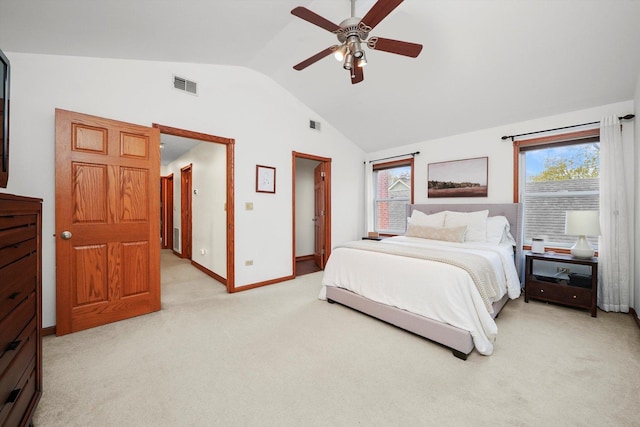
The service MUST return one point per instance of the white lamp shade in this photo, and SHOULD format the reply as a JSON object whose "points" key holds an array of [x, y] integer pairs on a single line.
{"points": [[582, 223]]}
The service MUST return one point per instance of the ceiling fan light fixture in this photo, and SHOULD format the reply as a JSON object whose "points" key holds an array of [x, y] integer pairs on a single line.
{"points": [[362, 61], [354, 46], [348, 61], [340, 52]]}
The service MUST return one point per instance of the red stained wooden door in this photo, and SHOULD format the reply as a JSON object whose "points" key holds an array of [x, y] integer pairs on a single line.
{"points": [[107, 198], [319, 214]]}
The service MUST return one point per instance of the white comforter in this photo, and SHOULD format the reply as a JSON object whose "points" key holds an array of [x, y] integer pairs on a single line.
{"points": [[431, 289]]}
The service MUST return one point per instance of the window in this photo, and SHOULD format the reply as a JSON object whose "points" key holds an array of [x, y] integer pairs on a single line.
{"points": [[393, 191], [557, 174]]}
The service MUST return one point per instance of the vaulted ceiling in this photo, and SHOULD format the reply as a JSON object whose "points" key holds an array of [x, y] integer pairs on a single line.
{"points": [[484, 63]]}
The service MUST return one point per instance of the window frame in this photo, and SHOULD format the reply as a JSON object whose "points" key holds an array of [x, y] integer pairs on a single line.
{"points": [[376, 167], [558, 140]]}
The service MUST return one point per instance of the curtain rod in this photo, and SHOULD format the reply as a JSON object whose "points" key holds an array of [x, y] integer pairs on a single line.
{"points": [[394, 157], [627, 117]]}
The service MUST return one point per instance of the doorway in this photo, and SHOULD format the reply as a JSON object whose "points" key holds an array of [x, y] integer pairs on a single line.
{"points": [[207, 186], [311, 212]]}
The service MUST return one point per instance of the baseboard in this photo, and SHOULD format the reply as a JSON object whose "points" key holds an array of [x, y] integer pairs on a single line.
{"points": [[209, 273], [634, 314], [265, 283], [304, 258], [49, 330]]}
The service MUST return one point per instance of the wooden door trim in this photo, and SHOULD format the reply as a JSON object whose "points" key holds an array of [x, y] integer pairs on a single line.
{"points": [[230, 144], [327, 205]]}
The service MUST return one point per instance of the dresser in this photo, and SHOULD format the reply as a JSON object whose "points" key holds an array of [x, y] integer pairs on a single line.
{"points": [[20, 308]]}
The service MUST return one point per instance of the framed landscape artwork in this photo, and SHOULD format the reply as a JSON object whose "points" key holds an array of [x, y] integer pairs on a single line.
{"points": [[458, 178]]}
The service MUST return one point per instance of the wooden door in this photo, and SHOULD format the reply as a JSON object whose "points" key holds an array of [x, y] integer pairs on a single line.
{"points": [[166, 211], [319, 215], [107, 222], [185, 197]]}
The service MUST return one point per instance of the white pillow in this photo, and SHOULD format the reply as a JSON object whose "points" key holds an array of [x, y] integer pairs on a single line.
{"points": [[476, 223], [422, 219], [508, 238], [496, 228]]}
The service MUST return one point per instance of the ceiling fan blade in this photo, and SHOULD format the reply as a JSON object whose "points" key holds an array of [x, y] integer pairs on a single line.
{"points": [[379, 11], [314, 18], [395, 46], [356, 75], [315, 58]]}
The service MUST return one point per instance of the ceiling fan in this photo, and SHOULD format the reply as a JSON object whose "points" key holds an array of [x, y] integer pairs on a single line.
{"points": [[352, 33]]}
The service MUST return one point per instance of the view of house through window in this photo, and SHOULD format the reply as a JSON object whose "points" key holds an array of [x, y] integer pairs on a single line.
{"points": [[392, 184], [558, 178]]}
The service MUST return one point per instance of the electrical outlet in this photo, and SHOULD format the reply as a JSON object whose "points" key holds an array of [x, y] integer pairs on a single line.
{"points": [[248, 262], [564, 270]]}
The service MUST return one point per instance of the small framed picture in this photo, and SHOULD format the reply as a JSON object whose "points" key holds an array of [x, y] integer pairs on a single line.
{"points": [[265, 179]]}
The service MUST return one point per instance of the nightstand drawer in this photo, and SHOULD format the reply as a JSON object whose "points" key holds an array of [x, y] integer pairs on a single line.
{"points": [[563, 294]]}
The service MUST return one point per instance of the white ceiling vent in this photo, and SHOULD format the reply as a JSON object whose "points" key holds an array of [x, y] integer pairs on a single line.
{"points": [[185, 85]]}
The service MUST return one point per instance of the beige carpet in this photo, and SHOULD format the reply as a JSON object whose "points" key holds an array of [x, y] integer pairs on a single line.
{"points": [[278, 356]]}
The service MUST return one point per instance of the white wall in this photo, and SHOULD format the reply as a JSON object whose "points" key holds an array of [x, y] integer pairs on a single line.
{"points": [[267, 123], [305, 204], [488, 142]]}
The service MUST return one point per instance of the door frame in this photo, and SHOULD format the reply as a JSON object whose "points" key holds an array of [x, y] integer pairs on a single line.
{"points": [[327, 204], [230, 207]]}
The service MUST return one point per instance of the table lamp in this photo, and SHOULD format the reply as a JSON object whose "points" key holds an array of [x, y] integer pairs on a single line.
{"points": [[582, 224]]}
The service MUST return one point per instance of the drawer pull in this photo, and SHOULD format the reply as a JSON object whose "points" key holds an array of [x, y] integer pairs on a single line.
{"points": [[574, 297], [14, 295], [13, 345], [13, 396], [542, 291]]}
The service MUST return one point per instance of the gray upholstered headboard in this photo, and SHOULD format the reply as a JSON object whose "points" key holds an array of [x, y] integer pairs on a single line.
{"points": [[512, 211]]}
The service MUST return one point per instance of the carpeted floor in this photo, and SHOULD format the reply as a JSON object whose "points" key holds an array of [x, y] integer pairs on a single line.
{"points": [[278, 356]]}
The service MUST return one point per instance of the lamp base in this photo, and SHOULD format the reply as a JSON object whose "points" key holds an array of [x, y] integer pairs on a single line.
{"points": [[582, 248]]}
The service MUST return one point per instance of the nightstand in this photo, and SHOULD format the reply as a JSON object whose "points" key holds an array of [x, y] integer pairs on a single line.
{"points": [[574, 289]]}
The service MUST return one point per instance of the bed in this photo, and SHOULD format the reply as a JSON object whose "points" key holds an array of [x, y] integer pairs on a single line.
{"points": [[446, 289]]}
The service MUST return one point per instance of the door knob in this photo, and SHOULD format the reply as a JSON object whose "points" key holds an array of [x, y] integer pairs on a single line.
{"points": [[66, 235]]}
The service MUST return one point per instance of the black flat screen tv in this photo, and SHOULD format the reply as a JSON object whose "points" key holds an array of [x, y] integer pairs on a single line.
{"points": [[5, 69]]}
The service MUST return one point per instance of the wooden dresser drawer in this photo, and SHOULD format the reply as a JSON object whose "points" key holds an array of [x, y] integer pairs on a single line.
{"points": [[11, 253], [13, 412], [19, 279], [17, 228], [10, 380], [7, 354], [14, 323]]}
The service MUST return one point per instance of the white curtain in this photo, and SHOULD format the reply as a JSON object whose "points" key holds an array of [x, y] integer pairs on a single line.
{"points": [[368, 197], [614, 246]]}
